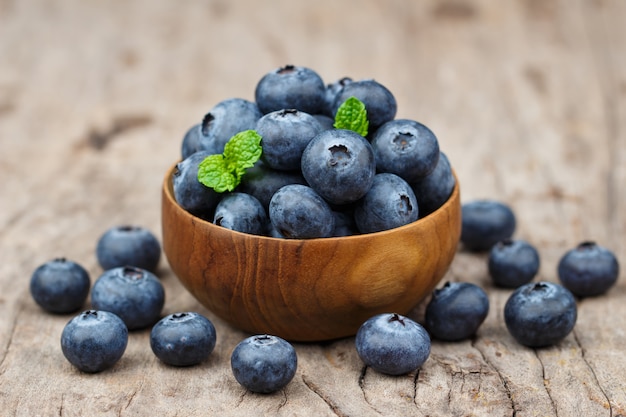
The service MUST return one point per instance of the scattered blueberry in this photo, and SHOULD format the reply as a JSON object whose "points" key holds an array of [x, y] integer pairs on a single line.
{"points": [[588, 270], [540, 314], [339, 165], [434, 189], [285, 133], [291, 87], [264, 363], [190, 193], [406, 148], [512, 263], [456, 311], [134, 294], [94, 340], [485, 223], [183, 339], [128, 245], [380, 104], [392, 344], [298, 212], [389, 203], [241, 212], [60, 286]]}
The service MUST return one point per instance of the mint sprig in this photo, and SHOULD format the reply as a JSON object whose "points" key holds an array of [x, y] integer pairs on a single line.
{"points": [[223, 172], [352, 115]]}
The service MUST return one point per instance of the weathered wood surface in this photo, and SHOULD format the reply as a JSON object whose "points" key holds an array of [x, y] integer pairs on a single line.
{"points": [[526, 97]]}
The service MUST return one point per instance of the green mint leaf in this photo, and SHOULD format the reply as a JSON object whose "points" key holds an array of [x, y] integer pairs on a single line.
{"points": [[224, 172], [352, 115]]}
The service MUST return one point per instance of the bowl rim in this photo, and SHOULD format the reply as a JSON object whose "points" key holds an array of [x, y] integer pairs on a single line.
{"points": [[168, 189]]}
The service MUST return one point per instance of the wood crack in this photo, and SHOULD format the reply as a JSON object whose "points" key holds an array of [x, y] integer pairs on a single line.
{"points": [[505, 384], [331, 404], [593, 372], [546, 383], [362, 386]]}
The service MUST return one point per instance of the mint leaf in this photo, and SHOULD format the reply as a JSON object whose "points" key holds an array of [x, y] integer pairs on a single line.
{"points": [[352, 115], [224, 172]]}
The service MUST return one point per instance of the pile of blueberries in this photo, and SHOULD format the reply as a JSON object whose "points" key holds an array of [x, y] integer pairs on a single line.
{"points": [[314, 180]]}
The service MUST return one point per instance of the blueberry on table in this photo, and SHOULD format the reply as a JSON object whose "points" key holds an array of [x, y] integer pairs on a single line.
{"points": [[291, 87], [183, 339], [133, 294], [128, 245], [264, 363], [513, 262], [60, 286], [94, 340], [241, 212], [540, 314], [389, 203], [189, 193], [406, 148], [379, 102], [588, 270], [456, 311], [433, 190], [339, 165], [298, 212], [485, 223], [392, 344]]}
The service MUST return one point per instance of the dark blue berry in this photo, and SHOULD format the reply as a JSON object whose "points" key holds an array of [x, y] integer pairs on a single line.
{"points": [[183, 339], [94, 340], [389, 203], [540, 314], [513, 263], [60, 286], [298, 212], [241, 212], [193, 142], [291, 87], [332, 90], [326, 122], [264, 363], [456, 311], [225, 120], [380, 104], [128, 245], [339, 165], [406, 148], [588, 270], [262, 182], [485, 223], [392, 344], [285, 134], [190, 193], [434, 189], [134, 294]]}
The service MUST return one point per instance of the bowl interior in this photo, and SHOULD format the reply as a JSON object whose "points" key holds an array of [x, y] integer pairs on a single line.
{"points": [[308, 290]]}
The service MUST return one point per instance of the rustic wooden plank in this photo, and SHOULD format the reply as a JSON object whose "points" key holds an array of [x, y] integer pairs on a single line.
{"points": [[527, 98]]}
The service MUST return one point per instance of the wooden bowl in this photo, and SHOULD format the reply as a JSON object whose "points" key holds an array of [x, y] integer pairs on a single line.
{"points": [[308, 290]]}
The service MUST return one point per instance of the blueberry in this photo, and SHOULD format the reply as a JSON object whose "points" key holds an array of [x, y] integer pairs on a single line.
{"points": [[298, 212], [94, 340], [193, 142], [290, 87], [406, 148], [456, 311], [60, 286], [540, 314], [344, 223], [389, 203], [485, 223], [134, 294], [128, 245], [392, 344], [264, 363], [190, 193], [241, 212], [262, 182], [339, 165], [226, 119], [183, 339], [380, 104], [434, 189], [330, 95], [326, 122], [588, 270], [285, 134], [513, 263]]}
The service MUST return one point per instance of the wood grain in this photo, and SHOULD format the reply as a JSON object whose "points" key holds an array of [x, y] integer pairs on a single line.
{"points": [[527, 100]]}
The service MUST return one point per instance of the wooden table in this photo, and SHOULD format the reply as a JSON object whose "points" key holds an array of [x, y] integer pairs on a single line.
{"points": [[527, 99]]}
